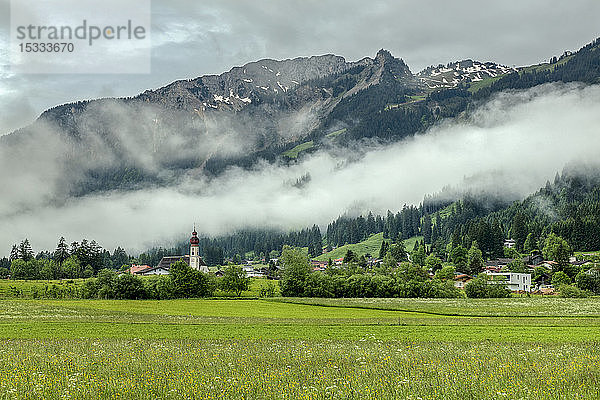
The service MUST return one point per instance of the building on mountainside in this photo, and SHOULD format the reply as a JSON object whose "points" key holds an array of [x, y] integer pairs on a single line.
{"points": [[533, 259], [193, 259], [510, 243], [516, 282]]}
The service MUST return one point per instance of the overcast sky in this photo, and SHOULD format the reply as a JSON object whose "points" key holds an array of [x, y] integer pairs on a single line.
{"points": [[192, 38]]}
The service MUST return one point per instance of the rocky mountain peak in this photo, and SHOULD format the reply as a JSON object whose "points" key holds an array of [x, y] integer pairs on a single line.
{"points": [[384, 56]]}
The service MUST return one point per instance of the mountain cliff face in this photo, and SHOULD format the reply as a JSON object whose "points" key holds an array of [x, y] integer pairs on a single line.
{"points": [[211, 122], [252, 83], [264, 110]]}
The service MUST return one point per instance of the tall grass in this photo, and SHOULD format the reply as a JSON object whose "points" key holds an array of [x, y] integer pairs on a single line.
{"points": [[167, 369]]}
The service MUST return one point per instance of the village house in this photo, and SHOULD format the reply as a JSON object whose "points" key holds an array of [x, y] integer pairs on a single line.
{"points": [[319, 264], [533, 259], [551, 265], [516, 282], [510, 243], [154, 271], [461, 280], [251, 272], [497, 264], [135, 269], [580, 263]]}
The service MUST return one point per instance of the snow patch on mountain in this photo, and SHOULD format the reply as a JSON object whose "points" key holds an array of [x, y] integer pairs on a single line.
{"points": [[465, 71]]}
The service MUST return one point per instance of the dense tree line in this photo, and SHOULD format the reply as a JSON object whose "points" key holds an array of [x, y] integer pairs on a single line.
{"points": [[569, 207], [352, 280], [182, 282], [263, 242], [77, 260], [404, 224]]}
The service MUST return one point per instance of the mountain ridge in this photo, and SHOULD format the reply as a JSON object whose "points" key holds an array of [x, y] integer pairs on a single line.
{"points": [[266, 107]]}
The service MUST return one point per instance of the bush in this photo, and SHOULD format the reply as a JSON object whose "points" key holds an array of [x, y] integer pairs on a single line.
{"points": [[234, 280], [572, 292], [129, 287], [479, 288], [589, 281], [90, 289], [296, 270], [476, 288], [188, 282], [159, 287], [560, 278], [319, 285], [268, 290], [106, 284], [438, 289]]}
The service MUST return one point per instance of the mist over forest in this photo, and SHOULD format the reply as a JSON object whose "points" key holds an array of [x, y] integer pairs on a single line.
{"points": [[510, 145]]}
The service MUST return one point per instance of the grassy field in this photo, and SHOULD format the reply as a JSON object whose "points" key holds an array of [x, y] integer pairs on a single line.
{"points": [[183, 369], [529, 348], [478, 85], [545, 66], [336, 133], [71, 288], [371, 246], [293, 153], [40, 288], [539, 306]]}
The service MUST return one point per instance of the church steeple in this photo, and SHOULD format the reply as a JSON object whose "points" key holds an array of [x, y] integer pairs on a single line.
{"points": [[195, 250], [195, 260], [194, 239]]}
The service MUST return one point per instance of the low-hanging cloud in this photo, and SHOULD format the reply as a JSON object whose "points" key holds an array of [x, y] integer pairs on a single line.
{"points": [[510, 145]]}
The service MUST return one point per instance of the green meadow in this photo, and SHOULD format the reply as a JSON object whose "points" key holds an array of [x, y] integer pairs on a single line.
{"points": [[370, 245], [280, 348]]}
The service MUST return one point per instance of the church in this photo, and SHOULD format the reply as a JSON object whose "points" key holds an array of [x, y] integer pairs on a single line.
{"points": [[193, 259]]}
